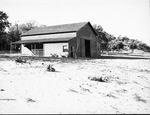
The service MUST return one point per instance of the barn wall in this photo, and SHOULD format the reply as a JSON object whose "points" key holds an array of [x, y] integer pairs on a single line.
{"points": [[73, 44], [61, 35], [86, 32], [98, 49], [55, 48]]}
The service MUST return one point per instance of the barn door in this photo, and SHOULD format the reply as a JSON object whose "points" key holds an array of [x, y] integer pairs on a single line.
{"points": [[72, 52], [87, 48]]}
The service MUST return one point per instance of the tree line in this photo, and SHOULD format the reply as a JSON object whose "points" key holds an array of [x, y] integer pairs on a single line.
{"points": [[111, 43], [108, 41]]}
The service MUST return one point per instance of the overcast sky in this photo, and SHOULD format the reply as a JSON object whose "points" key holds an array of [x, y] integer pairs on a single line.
{"points": [[129, 18]]}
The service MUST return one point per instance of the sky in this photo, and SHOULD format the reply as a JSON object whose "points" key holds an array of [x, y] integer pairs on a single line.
{"points": [[129, 18]]}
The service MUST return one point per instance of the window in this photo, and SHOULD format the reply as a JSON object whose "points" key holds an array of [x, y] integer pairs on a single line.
{"points": [[65, 48]]}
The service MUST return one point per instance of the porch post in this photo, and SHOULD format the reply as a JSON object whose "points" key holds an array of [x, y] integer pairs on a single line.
{"points": [[10, 48]]}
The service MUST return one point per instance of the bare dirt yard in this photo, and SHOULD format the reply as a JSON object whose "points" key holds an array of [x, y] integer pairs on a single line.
{"points": [[120, 85]]}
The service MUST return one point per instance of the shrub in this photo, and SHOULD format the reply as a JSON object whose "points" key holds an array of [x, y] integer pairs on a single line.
{"points": [[99, 79], [20, 60], [50, 68]]}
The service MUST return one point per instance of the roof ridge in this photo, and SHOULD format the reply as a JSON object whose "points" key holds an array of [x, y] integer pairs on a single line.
{"points": [[67, 24]]}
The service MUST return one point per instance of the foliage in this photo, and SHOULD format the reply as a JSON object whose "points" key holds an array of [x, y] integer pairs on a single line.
{"points": [[110, 42], [103, 37], [3, 22], [4, 42], [50, 68], [20, 60], [3, 35], [14, 33], [16, 30], [99, 78], [133, 45], [28, 26], [144, 47]]}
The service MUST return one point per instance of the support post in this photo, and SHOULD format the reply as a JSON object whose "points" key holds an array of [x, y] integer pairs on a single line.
{"points": [[10, 48]]}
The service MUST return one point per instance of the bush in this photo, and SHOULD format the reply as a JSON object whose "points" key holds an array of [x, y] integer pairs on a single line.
{"points": [[50, 68], [99, 79], [20, 60]]}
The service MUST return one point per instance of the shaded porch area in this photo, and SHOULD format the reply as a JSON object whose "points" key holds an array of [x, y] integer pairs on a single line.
{"points": [[34, 49]]}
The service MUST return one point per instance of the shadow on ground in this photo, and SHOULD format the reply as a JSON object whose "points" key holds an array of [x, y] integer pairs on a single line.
{"points": [[66, 59], [123, 57]]}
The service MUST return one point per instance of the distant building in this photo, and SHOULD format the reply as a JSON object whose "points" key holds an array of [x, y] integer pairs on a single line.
{"points": [[71, 40]]}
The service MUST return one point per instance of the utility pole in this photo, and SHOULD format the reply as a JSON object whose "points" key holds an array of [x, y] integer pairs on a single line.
{"points": [[17, 29], [17, 32]]}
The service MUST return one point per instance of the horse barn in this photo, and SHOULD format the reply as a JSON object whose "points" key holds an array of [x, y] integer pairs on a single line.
{"points": [[67, 40]]}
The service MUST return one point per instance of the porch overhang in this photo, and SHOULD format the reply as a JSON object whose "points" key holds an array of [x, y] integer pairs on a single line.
{"points": [[49, 40]]}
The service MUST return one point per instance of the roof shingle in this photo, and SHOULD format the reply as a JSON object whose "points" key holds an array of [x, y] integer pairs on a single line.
{"points": [[55, 29]]}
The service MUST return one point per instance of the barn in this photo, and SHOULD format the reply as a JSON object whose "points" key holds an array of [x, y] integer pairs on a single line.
{"points": [[66, 40]]}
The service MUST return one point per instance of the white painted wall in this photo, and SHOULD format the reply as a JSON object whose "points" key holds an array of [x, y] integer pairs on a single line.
{"points": [[55, 48], [61, 35], [25, 51]]}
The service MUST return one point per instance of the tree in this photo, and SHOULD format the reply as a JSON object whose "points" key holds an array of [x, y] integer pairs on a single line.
{"points": [[3, 35], [3, 22], [101, 36], [16, 30], [133, 45], [98, 28], [144, 47], [14, 33], [4, 42], [119, 45], [125, 38], [28, 26]]}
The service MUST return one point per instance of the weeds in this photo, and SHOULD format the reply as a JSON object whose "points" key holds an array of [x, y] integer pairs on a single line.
{"points": [[111, 95], [2, 90], [20, 60], [138, 98], [99, 79], [50, 68], [145, 70], [30, 100]]}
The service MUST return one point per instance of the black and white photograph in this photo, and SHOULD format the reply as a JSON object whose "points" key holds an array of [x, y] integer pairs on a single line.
{"points": [[74, 56]]}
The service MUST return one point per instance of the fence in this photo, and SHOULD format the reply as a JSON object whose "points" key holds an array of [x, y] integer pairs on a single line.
{"points": [[37, 52]]}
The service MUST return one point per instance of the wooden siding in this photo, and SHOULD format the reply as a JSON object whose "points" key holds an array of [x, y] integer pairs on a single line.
{"points": [[86, 32], [73, 44], [62, 35]]}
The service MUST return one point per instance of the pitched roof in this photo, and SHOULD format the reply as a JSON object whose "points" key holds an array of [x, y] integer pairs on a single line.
{"points": [[55, 29], [43, 40]]}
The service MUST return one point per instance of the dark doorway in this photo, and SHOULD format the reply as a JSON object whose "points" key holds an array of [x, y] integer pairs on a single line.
{"points": [[87, 48], [71, 53]]}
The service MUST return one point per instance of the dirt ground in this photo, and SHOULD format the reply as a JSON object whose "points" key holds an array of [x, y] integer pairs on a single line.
{"points": [[77, 86]]}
